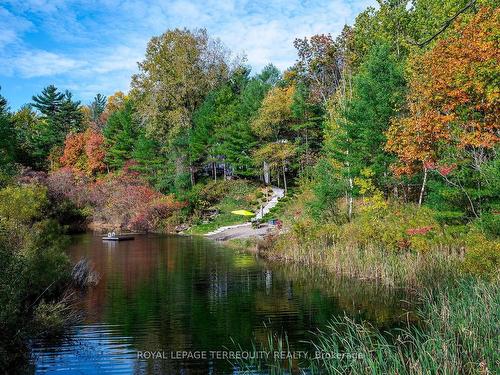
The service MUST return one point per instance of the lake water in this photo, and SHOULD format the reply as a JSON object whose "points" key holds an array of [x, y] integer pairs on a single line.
{"points": [[160, 295]]}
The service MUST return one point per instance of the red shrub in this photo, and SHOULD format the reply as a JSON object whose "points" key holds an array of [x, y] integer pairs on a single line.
{"points": [[94, 149], [119, 200], [415, 231]]}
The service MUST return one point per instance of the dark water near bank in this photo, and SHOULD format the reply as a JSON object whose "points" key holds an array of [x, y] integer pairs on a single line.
{"points": [[169, 293]]}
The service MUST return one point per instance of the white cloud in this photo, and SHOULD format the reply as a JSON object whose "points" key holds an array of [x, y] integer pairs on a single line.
{"points": [[11, 28], [118, 58], [94, 46], [37, 63]]}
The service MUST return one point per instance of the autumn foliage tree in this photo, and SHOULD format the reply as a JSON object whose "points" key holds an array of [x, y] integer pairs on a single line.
{"points": [[84, 152], [275, 116], [454, 102], [319, 65], [179, 69]]}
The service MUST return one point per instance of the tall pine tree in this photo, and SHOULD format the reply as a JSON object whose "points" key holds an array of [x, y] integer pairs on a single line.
{"points": [[378, 93], [48, 102], [120, 132], [97, 108], [60, 115], [240, 140], [70, 116]]}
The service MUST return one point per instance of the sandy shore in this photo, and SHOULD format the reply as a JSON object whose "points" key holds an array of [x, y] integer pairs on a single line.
{"points": [[239, 232], [246, 230]]}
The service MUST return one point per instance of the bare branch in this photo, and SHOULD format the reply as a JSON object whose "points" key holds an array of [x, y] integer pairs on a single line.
{"points": [[445, 25]]}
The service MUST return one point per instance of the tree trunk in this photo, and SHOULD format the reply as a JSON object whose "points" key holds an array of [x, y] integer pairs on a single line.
{"points": [[351, 188], [191, 173], [284, 178], [422, 190], [350, 199], [215, 171], [266, 173]]}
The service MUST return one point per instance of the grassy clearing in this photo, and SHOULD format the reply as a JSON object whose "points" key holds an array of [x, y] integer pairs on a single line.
{"points": [[223, 197], [224, 217]]}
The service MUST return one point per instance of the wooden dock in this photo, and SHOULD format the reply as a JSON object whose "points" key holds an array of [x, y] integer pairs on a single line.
{"points": [[118, 237]]}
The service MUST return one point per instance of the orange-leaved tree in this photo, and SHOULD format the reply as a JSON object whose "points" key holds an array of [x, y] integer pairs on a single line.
{"points": [[453, 101], [84, 152]]}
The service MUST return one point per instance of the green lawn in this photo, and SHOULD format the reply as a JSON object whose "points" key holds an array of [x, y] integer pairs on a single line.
{"points": [[235, 200]]}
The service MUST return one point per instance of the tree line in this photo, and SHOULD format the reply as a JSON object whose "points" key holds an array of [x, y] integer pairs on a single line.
{"points": [[401, 105]]}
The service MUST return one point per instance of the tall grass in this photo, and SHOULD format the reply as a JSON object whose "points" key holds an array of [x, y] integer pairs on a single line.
{"points": [[268, 363], [459, 334], [394, 269], [399, 245]]}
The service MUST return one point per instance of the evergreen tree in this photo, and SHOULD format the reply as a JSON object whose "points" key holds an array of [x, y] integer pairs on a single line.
{"points": [[70, 116], [97, 108], [378, 94], [202, 135], [238, 145], [146, 152], [240, 140], [120, 132], [60, 115], [29, 130], [308, 125], [270, 76], [48, 102], [216, 121]]}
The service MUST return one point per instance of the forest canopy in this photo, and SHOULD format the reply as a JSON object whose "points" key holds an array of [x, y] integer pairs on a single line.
{"points": [[405, 101]]}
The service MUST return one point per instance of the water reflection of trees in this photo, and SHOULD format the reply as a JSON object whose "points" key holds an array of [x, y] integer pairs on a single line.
{"points": [[172, 293]]}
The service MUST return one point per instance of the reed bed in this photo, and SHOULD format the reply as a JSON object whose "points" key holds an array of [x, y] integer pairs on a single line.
{"points": [[413, 270], [458, 334]]}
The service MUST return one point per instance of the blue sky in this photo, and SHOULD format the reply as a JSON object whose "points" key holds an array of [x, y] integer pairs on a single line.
{"points": [[91, 46]]}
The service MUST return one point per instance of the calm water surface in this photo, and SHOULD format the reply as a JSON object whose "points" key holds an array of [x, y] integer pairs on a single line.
{"points": [[172, 293]]}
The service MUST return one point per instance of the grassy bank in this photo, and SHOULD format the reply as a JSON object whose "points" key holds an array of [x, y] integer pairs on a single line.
{"points": [[211, 204], [457, 334], [398, 245], [410, 270], [452, 267]]}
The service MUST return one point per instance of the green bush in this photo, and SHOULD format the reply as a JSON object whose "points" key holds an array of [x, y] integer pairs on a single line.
{"points": [[22, 204], [33, 266], [489, 223], [328, 187], [482, 256], [397, 227]]}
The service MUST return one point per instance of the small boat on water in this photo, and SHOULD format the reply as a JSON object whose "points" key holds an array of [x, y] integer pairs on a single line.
{"points": [[112, 236]]}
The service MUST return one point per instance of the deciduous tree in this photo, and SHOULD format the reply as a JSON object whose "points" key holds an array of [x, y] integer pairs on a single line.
{"points": [[453, 101], [180, 68]]}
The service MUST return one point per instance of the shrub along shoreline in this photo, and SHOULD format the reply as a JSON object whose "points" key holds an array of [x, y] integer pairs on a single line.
{"points": [[38, 285], [396, 245], [452, 269]]}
